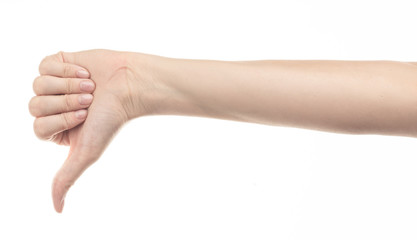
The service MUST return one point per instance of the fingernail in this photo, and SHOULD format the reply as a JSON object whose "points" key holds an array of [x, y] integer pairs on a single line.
{"points": [[81, 114], [85, 99], [87, 86], [82, 73], [61, 208]]}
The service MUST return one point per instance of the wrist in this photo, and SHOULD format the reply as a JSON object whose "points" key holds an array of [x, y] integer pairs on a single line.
{"points": [[152, 86]]}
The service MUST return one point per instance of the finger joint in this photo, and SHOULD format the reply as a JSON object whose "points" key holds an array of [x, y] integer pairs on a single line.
{"points": [[65, 121], [39, 129]]}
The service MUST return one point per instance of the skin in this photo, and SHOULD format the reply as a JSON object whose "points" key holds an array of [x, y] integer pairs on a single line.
{"points": [[352, 97]]}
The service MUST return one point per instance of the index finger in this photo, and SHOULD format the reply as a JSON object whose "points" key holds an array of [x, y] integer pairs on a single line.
{"points": [[55, 65]]}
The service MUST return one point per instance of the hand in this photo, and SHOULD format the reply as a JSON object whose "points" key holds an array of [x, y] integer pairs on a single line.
{"points": [[117, 99]]}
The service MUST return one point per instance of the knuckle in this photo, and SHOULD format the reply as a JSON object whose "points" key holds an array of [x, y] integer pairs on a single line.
{"points": [[67, 70], [66, 122], [60, 56], [43, 64], [68, 85], [38, 85], [39, 129], [34, 108], [68, 105]]}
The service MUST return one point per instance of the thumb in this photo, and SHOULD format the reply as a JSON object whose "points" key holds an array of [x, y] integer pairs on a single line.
{"points": [[88, 142], [75, 164]]}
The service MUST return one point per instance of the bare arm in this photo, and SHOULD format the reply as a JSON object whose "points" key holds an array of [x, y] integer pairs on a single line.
{"points": [[355, 97], [359, 97]]}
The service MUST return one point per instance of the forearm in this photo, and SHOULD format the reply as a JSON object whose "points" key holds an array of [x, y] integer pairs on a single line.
{"points": [[367, 97]]}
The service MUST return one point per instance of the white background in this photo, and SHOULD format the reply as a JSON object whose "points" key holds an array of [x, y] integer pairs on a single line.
{"points": [[173, 177]]}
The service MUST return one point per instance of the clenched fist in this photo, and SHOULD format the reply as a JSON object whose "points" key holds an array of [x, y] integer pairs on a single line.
{"points": [[82, 100]]}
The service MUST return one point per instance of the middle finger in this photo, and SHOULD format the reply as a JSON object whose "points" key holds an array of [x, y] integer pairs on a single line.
{"points": [[40, 106], [48, 85]]}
